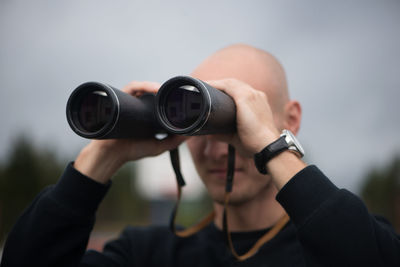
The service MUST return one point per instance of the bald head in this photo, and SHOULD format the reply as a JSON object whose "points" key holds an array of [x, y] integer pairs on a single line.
{"points": [[251, 65]]}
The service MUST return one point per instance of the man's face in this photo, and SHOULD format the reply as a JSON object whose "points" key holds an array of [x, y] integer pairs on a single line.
{"points": [[210, 158]]}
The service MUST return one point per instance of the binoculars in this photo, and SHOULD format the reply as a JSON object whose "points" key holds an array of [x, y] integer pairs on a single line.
{"points": [[183, 105]]}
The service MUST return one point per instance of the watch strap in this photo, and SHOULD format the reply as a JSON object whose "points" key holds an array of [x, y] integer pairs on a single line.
{"points": [[270, 151]]}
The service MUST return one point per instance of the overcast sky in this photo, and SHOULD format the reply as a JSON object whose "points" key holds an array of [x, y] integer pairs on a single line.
{"points": [[342, 60]]}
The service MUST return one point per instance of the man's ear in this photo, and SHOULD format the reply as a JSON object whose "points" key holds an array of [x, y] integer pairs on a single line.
{"points": [[292, 116]]}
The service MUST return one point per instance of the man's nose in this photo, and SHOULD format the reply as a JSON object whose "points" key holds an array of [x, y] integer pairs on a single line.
{"points": [[214, 149]]}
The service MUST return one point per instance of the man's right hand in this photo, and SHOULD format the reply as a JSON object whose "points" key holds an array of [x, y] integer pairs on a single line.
{"points": [[102, 158]]}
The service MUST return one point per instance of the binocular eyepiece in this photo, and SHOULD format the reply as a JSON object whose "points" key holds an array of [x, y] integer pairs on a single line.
{"points": [[183, 105]]}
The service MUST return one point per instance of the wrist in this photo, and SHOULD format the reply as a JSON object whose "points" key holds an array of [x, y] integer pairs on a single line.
{"points": [[266, 138], [97, 162], [284, 167], [286, 142]]}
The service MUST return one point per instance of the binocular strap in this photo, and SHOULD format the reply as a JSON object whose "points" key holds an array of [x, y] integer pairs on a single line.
{"points": [[174, 155], [264, 239]]}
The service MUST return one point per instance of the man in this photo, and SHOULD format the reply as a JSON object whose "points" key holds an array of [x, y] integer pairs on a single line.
{"points": [[328, 226]]}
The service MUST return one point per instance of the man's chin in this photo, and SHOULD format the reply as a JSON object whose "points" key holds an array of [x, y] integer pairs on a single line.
{"points": [[234, 200]]}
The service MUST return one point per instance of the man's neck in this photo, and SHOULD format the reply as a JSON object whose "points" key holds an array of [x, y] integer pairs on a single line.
{"points": [[260, 213]]}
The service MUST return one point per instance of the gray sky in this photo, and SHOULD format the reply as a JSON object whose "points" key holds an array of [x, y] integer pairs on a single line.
{"points": [[341, 57]]}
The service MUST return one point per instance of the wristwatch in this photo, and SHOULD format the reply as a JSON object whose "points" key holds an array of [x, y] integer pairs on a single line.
{"points": [[286, 141]]}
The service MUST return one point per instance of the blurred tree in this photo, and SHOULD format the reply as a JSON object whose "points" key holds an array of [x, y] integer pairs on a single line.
{"points": [[24, 173], [381, 192]]}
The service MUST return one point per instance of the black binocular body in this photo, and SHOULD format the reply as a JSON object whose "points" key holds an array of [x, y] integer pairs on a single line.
{"points": [[183, 105]]}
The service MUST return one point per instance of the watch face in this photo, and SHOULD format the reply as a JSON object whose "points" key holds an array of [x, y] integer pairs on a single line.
{"points": [[292, 142]]}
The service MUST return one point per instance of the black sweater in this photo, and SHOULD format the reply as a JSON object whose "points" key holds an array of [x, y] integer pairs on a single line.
{"points": [[328, 227]]}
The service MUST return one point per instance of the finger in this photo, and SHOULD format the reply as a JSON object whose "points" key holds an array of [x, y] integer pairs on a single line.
{"points": [[239, 91], [232, 87], [138, 88]]}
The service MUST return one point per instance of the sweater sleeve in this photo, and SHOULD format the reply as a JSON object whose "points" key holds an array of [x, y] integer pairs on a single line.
{"points": [[54, 229], [334, 226]]}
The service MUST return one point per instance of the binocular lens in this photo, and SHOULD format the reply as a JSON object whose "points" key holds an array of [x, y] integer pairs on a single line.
{"points": [[99, 111], [183, 106], [188, 106], [95, 110]]}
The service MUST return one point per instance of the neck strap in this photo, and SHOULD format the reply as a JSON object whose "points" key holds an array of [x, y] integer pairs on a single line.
{"points": [[174, 156]]}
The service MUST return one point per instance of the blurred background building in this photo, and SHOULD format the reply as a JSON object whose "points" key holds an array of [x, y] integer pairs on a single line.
{"points": [[342, 63]]}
